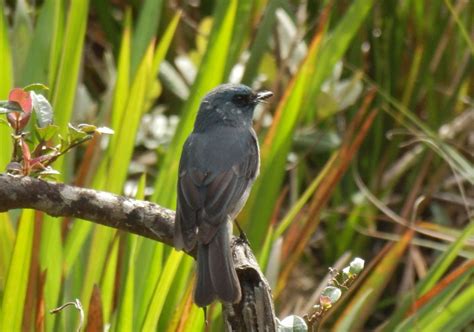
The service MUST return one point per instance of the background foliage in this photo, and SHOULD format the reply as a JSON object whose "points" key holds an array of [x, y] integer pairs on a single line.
{"points": [[366, 150]]}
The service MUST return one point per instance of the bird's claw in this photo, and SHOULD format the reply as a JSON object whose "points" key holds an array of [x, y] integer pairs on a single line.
{"points": [[244, 239]]}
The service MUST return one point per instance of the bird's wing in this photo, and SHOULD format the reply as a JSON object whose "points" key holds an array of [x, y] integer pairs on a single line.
{"points": [[207, 198]]}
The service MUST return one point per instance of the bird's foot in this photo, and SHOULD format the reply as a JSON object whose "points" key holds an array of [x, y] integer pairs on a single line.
{"points": [[242, 236]]}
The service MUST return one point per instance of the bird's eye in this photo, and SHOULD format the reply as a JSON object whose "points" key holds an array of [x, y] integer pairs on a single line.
{"points": [[240, 99]]}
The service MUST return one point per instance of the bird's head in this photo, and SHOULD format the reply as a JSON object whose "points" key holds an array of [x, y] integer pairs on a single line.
{"points": [[229, 105]]}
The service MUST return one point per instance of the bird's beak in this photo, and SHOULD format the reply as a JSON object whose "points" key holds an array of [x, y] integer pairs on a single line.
{"points": [[262, 95]]}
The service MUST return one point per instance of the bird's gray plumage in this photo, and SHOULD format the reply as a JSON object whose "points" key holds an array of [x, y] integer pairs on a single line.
{"points": [[219, 162]]}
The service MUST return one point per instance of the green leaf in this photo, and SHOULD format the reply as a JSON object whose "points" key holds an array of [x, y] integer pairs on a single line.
{"points": [[36, 87], [43, 109], [75, 134]]}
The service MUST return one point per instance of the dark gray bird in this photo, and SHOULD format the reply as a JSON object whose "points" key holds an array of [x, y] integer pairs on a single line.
{"points": [[219, 162]]}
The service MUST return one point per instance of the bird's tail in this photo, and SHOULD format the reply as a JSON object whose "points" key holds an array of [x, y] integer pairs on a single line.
{"points": [[216, 275]]}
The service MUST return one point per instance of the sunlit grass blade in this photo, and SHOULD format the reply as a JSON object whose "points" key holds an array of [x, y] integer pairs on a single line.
{"points": [[6, 74], [6, 78], [353, 139], [305, 87], [162, 289], [436, 271], [260, 42], [432, 306], [147, 24], [345, 322], [81, 229], [337, 42], [51, 255], [194, 317], [371, 289], [286, 221], [457, 314], [462, 28], [17, 278], [38, 58], [163, 45], [275, 148], [183, 311], [122, 145], [21, 37], [63, 101], [125, 312], [243, 13], [109, 274], [127, 117], [122, 82], [211, 71], [66, 83], [117, 173], [7, 240], [181, 282], [445, 260], [57, 43], [304, 198], [73, 245], [154, 252]]}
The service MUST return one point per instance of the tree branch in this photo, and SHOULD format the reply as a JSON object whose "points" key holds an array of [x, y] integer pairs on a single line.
{"points": [[254, 313]]}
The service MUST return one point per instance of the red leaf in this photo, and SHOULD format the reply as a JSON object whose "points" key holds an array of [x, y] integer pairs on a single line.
{"points": [[22, 97]]}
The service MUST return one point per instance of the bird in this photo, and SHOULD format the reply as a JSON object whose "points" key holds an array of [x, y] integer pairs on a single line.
{"points": [[219, 162]]}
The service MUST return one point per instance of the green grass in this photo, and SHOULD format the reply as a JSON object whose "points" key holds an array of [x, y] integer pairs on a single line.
{"points": [[387, 177]]}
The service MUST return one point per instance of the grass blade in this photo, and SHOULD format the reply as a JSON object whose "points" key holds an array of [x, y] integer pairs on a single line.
{"points": [[211, 71], [147, 24], [374, 284], [436, 271], [17, 277], [6, 77], [306, 86], [68, 75], [161, 291], [456, 315], [7, 240]]}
